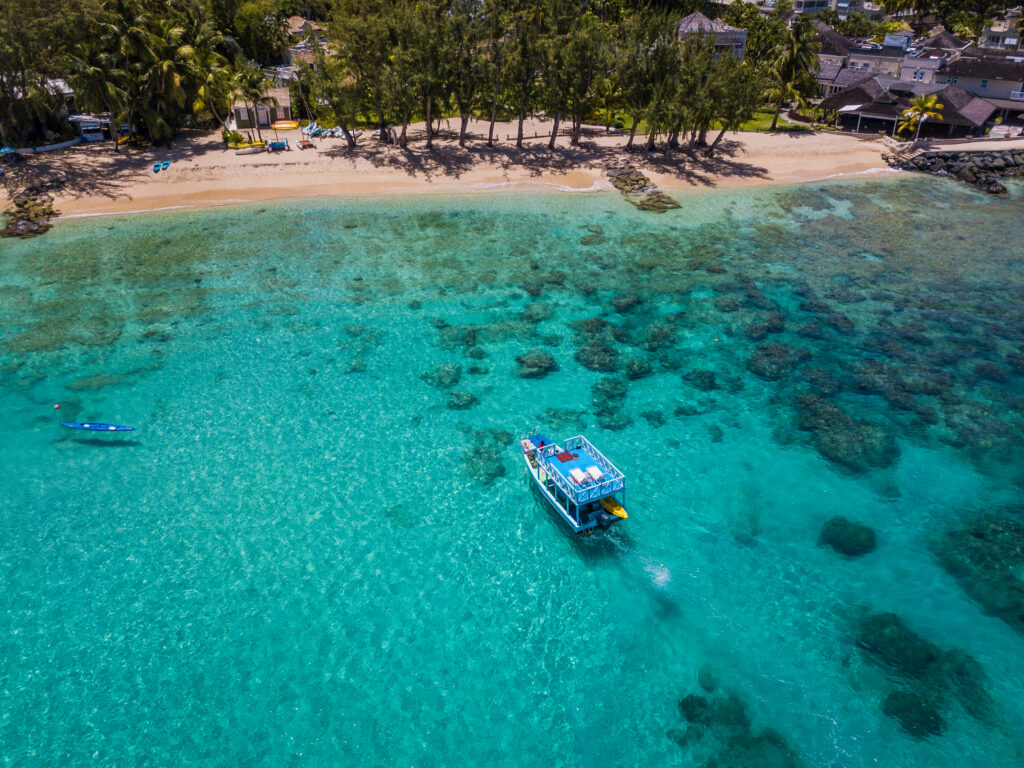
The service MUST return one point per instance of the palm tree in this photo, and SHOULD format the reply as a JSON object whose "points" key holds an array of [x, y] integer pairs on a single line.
{"points": [[796, 61], [127, 35], [213, 89], [90, 78], [165, 79], [211, 74], [920, 109], [250, 83]]}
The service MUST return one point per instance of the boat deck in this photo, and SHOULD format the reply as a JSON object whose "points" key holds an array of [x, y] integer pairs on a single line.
{"points": [[579, 470]]}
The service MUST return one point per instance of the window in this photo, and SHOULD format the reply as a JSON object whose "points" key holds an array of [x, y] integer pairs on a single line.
{"points": [[952, 80], [984, 83], [994, 39]]}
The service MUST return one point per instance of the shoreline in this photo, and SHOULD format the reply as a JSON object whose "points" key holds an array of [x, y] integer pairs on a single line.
{"points": [[509, 187], [91, 180]]}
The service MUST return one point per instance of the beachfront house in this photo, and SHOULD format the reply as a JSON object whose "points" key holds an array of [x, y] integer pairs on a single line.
{"points": [[728, 41], [885, 58], [876, 102], [832, 58], [926, 62], [243, 112], [873, 11], [997, 78], [1004, 33]]}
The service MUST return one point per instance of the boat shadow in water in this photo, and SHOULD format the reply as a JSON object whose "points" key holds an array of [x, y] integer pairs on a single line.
{"points": [[99, 443]]}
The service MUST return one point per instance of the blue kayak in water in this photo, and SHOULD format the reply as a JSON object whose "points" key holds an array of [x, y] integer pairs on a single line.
{"points": [[94, 427]]}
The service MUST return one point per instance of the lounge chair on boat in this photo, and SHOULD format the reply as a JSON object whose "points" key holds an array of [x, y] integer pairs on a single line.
{"points": [[305, 144]]}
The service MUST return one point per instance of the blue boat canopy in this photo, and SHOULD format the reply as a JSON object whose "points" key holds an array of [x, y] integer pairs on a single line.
{"points": [[579, 470]]}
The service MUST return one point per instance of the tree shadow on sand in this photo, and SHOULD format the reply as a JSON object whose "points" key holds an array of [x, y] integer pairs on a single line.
{"points": [[446, 159]]}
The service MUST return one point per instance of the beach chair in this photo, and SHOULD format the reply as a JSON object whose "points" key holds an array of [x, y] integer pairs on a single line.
{"points": [[595, 474], [578, 476]]}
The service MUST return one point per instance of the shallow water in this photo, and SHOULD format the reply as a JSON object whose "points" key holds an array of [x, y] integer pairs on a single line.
{"points": [[303, 556]]}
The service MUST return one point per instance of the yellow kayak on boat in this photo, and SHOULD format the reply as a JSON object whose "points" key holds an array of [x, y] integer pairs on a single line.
{"points": [[285, 125], [612, 506]]}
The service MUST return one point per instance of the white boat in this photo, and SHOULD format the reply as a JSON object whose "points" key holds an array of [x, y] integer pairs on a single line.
{"points": [[576, 480], [251, 150]]}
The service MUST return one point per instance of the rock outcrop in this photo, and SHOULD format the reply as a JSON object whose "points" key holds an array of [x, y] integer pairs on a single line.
{"points": [[982, 169]]}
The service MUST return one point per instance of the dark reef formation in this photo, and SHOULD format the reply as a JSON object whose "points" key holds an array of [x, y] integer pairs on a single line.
{"points": [[719, 729], [847, 538], [932, 677], [987, 559], [535, 364], [485, 450]]}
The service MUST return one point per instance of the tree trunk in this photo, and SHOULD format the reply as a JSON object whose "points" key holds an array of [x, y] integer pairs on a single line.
{"points": [[402, 140], [650, 141], [494, 99], [554, 130], [256, 122], [464, 122], [348, 136], [718, 138], [494, 114], [519, 134], [632, 133], [577, 122], [702, 139], [775, 119], [430, 129]]}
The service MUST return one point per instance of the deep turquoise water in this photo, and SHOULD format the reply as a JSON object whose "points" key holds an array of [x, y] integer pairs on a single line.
{"points": [[303, 556]]}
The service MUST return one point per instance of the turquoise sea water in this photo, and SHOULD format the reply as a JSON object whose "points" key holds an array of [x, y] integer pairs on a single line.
{"points": [[303, 556]]}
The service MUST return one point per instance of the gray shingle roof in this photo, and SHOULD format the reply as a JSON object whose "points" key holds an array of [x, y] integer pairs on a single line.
{"points": [[832, 43], [885, 97], [698, 22], [988, 67]]}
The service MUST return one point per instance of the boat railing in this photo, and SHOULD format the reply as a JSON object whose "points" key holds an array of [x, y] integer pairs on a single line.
{"points": [[581, 442], [580, 493]]}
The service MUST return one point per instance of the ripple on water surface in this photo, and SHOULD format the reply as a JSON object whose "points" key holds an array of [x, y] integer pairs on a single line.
{"points": [[319, 547]]}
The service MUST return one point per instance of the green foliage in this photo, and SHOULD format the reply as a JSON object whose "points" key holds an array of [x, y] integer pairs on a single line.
{"points": [[857, 24], [921, 108], [764, 33], [792, 74], [159, 65], [828, 16]]}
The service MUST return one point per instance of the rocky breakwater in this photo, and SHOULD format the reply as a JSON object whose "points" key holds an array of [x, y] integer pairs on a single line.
{"points": [[982, 169], [639, 190], [29, 215]]}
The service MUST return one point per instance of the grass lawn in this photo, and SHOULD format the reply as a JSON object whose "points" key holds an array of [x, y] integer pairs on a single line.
{"points": [[762, 121]]}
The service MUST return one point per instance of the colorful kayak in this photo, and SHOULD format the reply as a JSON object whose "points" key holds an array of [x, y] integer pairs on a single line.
{"points": [[284, 125], [94, 427]]}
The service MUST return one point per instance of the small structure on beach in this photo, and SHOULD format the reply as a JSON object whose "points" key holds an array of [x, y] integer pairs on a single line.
{"points": [[264, 115], [729, 41]]}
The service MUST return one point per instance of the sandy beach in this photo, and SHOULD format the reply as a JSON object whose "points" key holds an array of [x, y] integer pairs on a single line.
{"points": [[96, 179]]}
